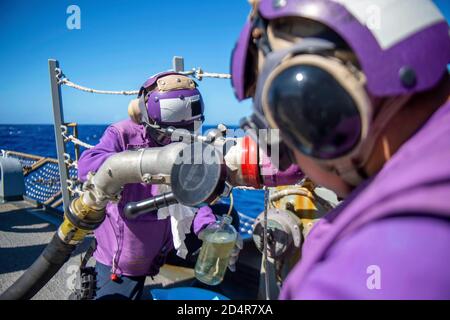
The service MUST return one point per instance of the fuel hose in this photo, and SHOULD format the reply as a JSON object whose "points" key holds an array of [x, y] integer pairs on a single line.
{"points": [[41, 271]]}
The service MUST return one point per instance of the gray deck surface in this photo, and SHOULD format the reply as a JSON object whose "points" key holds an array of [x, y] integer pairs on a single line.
{"points": [[25, 230]]}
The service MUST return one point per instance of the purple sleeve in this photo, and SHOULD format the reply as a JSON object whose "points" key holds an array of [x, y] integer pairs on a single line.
{"points": [[203, 218], [396, 258], [92, 159]]}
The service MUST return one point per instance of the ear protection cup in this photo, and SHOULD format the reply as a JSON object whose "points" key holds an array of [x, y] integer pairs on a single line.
{"points": [[134, 111], [321, 105]]}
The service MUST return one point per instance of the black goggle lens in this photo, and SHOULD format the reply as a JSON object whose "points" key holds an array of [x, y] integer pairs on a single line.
{"points": [[314, 112]]}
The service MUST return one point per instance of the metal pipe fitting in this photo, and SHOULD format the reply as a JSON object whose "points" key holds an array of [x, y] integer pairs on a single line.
{"points": [[147, 165]]}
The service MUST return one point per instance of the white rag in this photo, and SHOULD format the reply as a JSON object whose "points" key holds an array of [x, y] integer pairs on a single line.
{"points": [[181, 218]]}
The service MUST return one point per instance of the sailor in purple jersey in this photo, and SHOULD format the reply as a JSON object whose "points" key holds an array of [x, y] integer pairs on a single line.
{"points": [[129, 250], [360, 92]]}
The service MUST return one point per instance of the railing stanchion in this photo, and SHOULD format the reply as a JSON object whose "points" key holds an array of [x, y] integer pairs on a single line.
{"points": [[58, 120]]}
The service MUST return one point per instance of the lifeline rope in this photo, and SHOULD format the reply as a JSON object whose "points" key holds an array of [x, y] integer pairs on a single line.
{"points": [[73, 188], [69, 162], [73, 139], [71, 183], [69, 83], [197, 73], [78, 142]]}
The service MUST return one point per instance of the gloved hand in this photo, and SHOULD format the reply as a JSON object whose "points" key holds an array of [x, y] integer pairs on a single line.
{"points": [[235, 253]]}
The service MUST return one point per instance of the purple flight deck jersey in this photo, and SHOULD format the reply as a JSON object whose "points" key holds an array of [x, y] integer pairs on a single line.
{"points": [[390, 239], [131, 247]]}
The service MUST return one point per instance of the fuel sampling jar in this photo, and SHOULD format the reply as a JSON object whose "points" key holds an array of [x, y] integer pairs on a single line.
{"points": [[218, 243]]}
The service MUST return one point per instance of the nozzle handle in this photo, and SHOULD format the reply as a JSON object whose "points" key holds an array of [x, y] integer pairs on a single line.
{"points": [[133, 210]]}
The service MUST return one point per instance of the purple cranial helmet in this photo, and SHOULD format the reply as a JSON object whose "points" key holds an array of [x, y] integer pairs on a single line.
{"points": [[402, 46], [313, 68], [172, 99]]}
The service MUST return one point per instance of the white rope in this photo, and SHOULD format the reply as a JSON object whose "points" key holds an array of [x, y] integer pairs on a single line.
{"points": [[79, 142], [69, 83], [197, 73], [72, 183], [73, 164], [69, 162], [71, 186], [74, 140]]}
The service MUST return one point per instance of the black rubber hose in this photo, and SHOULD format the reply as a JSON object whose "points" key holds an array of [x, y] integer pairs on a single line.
{"points": [[41, 271], [133, 210]]}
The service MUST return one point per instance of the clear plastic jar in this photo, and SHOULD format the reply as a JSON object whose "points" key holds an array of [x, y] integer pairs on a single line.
{"points": [[218, 243]]}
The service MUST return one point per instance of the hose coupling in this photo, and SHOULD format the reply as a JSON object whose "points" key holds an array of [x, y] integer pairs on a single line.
{"points": [[79, 221]]}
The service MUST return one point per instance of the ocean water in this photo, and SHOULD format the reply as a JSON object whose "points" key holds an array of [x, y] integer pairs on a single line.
{"points": [[40, 140]]}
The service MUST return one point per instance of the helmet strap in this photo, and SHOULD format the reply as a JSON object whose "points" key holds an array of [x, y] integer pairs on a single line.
{"points": [[145, 119]]}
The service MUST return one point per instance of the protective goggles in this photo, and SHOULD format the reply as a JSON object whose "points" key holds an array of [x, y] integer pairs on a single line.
{"points": [[194, 106], [318, 102]]}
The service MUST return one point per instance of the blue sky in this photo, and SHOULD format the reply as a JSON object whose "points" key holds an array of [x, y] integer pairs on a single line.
{"points": [[119, 45]]}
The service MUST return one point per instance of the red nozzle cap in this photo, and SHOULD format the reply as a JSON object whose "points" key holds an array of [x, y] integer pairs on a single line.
{"points": [[250, 165]]}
